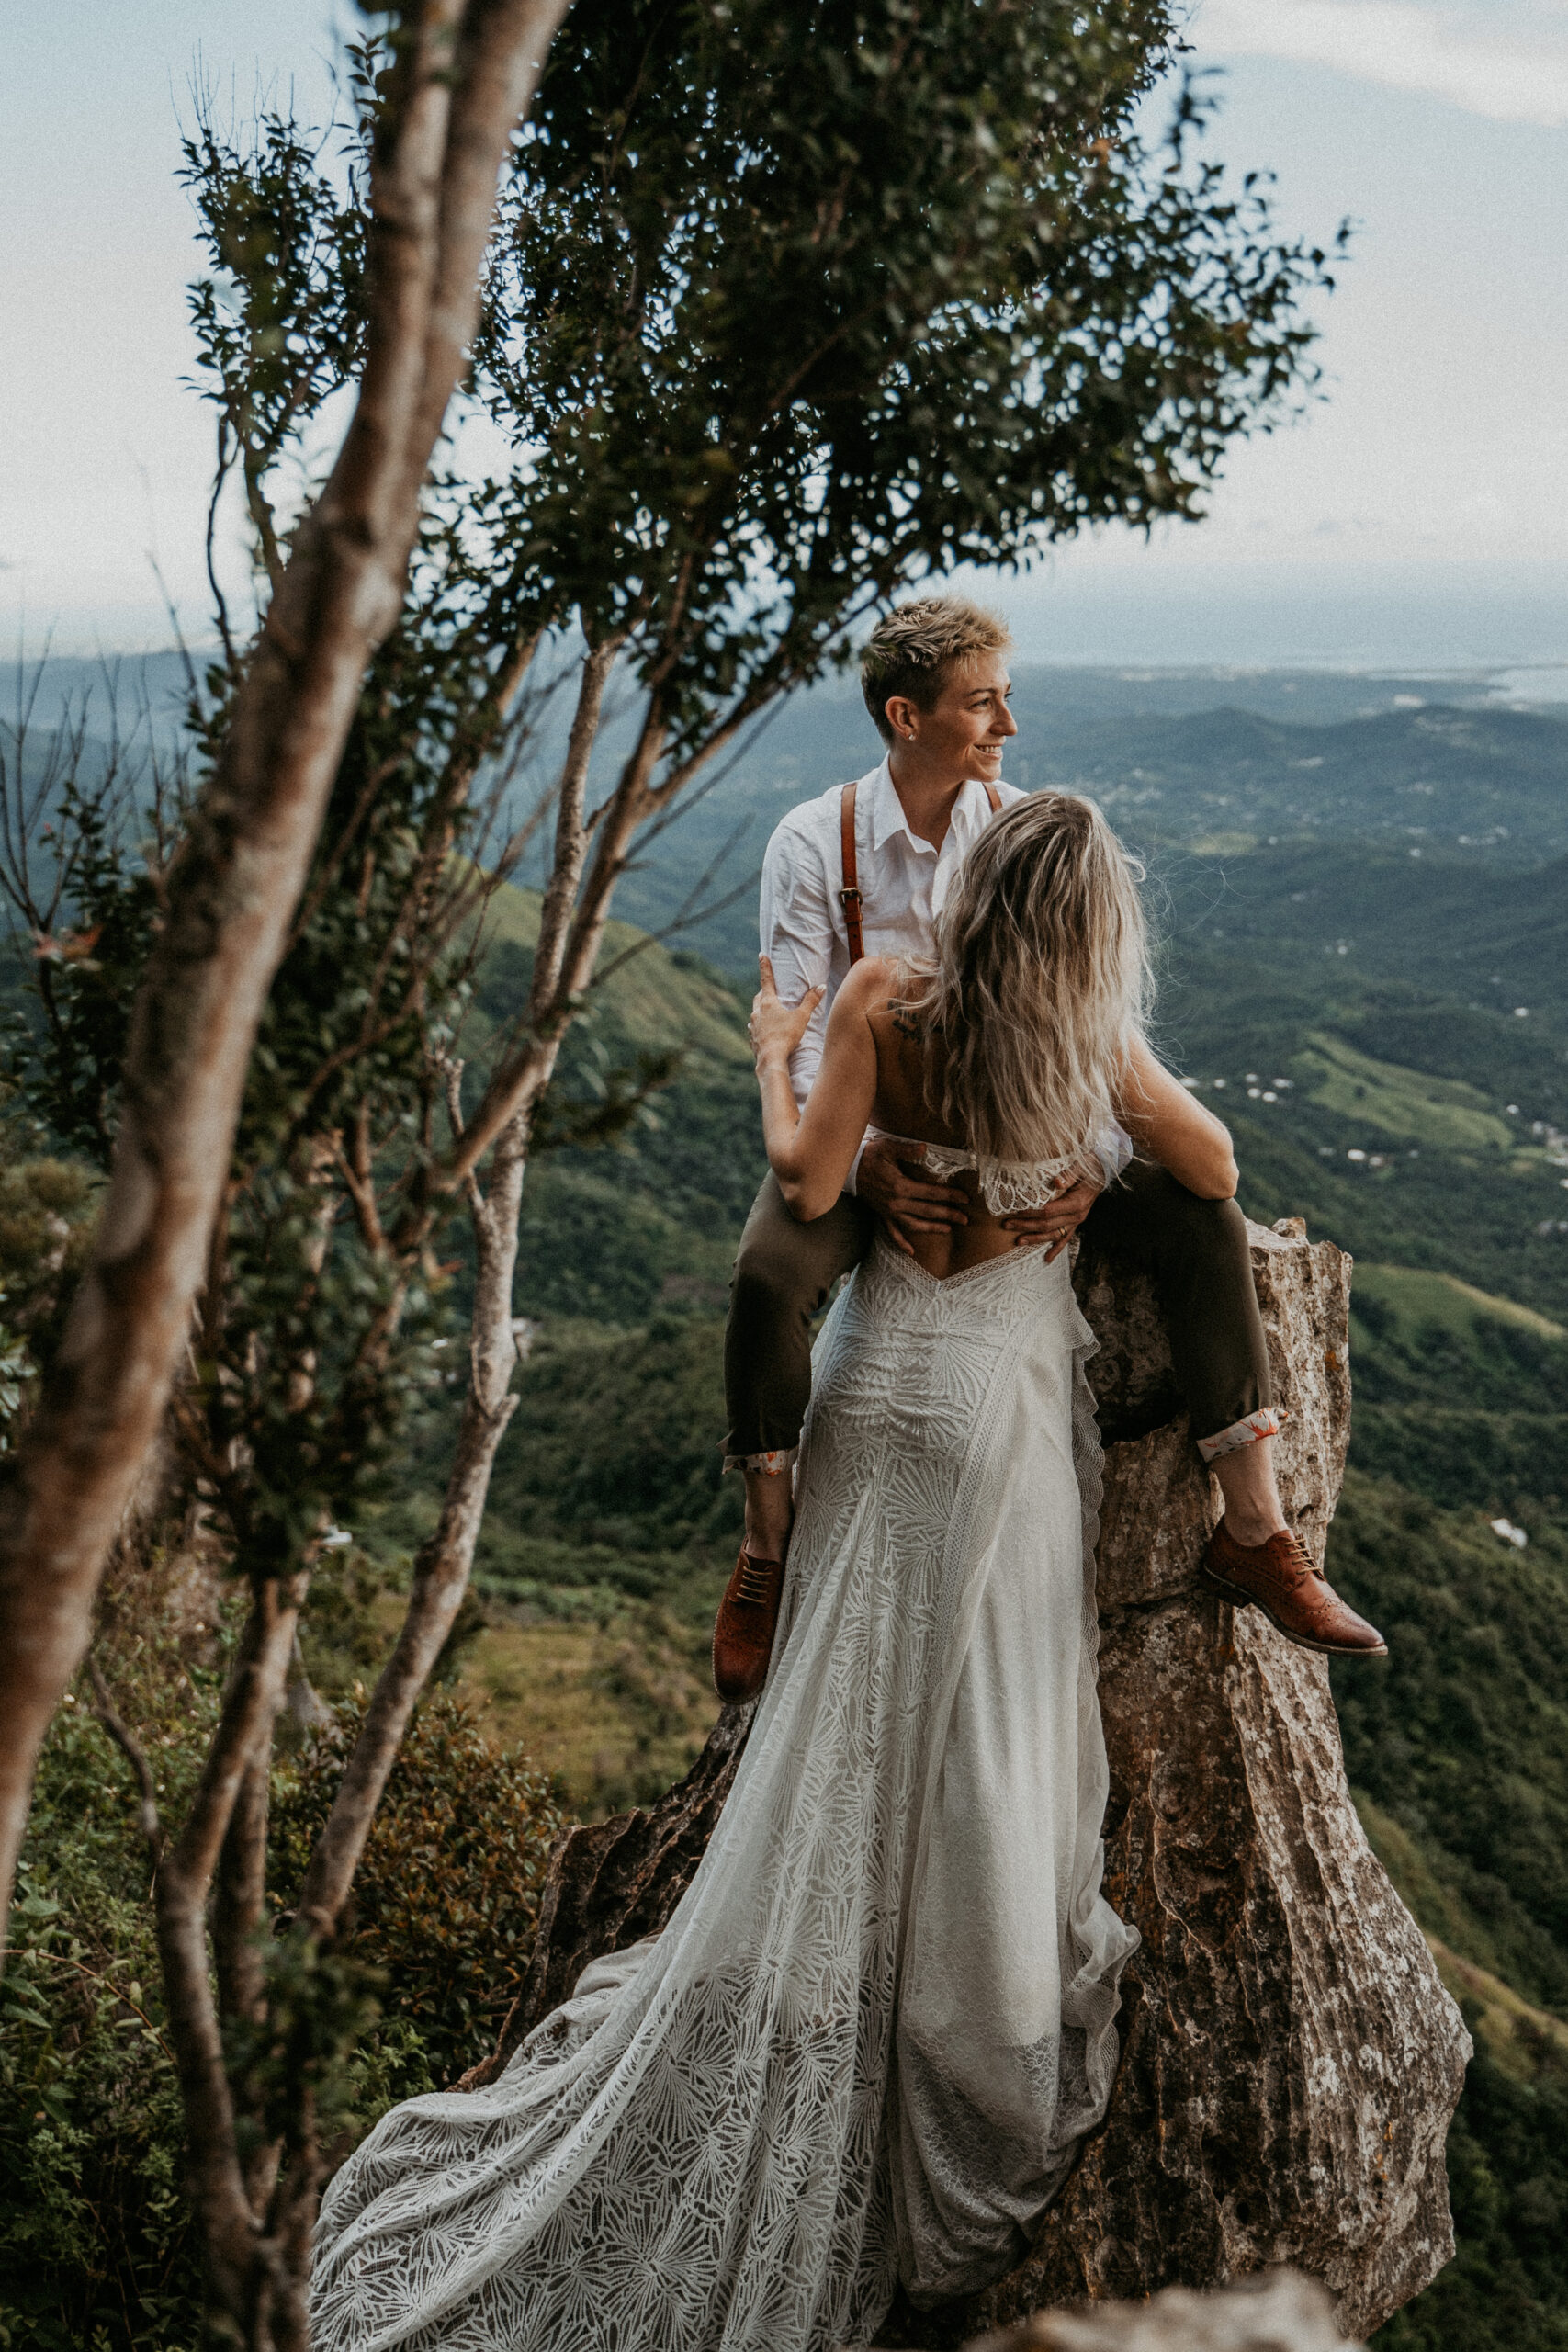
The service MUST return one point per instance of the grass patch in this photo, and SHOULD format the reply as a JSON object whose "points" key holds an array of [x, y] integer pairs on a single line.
{"points": [[1222, 846], [616, 1709], [654, 999], [1408, 1104], [1415, 1295]]}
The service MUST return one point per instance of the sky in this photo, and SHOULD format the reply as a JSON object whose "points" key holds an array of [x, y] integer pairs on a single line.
{"points": [[1417, 517]]}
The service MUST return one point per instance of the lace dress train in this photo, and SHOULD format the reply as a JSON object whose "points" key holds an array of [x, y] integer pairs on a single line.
{"points": [[881, 2018]]}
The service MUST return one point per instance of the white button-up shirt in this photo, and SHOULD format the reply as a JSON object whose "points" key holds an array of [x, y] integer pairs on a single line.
{"points": [[904, 884]]}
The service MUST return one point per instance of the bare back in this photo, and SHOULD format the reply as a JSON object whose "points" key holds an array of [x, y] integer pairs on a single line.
{"points": [[905, 1057]]}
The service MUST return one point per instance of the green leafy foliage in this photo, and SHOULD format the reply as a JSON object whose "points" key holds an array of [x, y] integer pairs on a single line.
{"points": [[1507, 2290], [1462, 1736], [95, 2245], [446, 1899], [617, 1439], [794, 304], [47, 1212], [96, 2249], [84, 979], [279, 324], [1462, 1398], [650, 1223]]}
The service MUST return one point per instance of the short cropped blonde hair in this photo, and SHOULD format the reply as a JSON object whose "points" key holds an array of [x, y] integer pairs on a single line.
{"points": [[911, 649]]}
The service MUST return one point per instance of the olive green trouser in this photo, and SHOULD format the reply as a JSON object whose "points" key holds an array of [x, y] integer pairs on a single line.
{"points": [[1195, 1252]]}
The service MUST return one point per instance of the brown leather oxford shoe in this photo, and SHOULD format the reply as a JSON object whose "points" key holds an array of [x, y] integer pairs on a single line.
{"points": [[743, 1630], [1279, 1577]]}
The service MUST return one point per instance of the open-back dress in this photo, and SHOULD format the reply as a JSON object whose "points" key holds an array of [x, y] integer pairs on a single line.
{"points": [[880, 2020]]}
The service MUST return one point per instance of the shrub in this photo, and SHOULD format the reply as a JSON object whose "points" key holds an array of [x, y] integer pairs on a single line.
{"points": [[1507, 2290], [96, 2249], [96, 2254], [446, 1899]]}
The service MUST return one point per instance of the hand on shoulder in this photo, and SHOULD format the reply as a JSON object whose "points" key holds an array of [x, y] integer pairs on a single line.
{"points": [[775, 1026]]}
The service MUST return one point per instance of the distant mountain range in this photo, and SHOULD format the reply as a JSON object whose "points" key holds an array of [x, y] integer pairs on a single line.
{"points": [[1478, 780], [1456, 812]]}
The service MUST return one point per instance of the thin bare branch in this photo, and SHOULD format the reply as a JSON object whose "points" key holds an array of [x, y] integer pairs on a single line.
{"points": [[441, 1571], [113, 1722], [516, 1085], [570, 839], [239, 1905], [219, 604], [216, 2177], [687, 919], [356, 1167]]}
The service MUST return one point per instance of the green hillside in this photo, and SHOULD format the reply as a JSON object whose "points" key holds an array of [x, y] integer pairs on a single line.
{"points": [[1485, 781], [1409, 1106], [649, 997]]}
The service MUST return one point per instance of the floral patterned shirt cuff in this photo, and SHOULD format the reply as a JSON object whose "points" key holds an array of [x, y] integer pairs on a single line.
{"points": [[776, 1465], [1268, 1421]]}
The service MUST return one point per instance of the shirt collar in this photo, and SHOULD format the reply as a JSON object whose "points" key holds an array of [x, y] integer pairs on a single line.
{"points": [[887, 816]]}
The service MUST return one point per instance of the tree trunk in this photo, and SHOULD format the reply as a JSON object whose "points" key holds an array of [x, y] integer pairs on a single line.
{"points": [[239, 1917], [464, 80], [240, 2263], [445, 1561]]}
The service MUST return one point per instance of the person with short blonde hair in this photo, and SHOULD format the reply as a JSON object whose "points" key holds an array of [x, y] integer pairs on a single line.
{"points": [[911, 649]]}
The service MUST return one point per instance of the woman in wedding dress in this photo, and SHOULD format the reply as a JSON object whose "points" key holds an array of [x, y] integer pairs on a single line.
{"points": [[869, 2043]]}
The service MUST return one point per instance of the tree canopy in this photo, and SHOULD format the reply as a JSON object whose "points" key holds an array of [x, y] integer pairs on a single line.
{"points": [[789, 306]]}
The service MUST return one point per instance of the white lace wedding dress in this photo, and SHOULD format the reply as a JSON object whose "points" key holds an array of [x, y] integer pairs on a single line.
{"points": [[866, 2045]]}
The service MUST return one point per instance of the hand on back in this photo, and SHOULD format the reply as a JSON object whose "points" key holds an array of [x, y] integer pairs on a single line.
{"points": [[904, 1197]]}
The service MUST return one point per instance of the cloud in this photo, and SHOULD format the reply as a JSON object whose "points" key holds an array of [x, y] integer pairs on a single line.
{"points": [[1505, 59]]}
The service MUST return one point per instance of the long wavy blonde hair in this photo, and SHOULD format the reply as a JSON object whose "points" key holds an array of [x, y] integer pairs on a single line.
{"points": [[1040, 984]]}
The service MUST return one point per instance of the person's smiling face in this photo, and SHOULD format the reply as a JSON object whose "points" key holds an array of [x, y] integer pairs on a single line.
{"points": [[969, 723]]}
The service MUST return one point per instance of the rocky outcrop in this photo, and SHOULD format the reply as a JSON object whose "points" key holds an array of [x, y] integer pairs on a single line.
{"points": [[1289, 2059]]}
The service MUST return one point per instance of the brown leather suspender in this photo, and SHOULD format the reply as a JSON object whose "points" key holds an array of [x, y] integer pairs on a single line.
{"points": [[849, 897]]}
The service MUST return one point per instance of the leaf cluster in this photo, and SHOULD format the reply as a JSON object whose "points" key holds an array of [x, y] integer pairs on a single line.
{"points": [[315, 1334], [96, 2248], [790, 306], [279, 318], [446, 1899], [95, 2244]]}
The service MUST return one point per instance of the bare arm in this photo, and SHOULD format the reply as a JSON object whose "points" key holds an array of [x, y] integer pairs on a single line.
{"points": [[1163, 1118], [811, 1151]]}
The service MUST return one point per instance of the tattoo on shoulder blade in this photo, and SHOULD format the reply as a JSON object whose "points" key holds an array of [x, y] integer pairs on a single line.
{"points": [[903, 1019]]}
